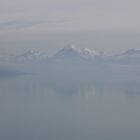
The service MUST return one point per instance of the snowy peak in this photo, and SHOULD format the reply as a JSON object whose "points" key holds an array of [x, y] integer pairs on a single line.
{"points": [[68, 52], [87, 53], [30, 56], [72, 52], [130, 56], [71, 47], [131, 52]]}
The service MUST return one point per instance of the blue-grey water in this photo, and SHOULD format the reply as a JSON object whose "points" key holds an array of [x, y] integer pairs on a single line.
{"points": [[32, 107]]}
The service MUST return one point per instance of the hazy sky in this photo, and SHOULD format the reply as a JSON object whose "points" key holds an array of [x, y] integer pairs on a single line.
{"points": [[22, 18], [69, 15]]}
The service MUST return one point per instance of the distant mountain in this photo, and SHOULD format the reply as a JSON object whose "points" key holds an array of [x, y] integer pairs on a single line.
{"points": [[130, 56], [30, 56], [131, 52], [73, 53]]}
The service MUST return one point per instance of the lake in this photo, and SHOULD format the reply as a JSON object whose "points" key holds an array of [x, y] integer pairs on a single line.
{"points": [[32, 107]]}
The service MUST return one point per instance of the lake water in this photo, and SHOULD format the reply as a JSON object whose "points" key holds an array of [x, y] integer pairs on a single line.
{"points": [[33, 108]]}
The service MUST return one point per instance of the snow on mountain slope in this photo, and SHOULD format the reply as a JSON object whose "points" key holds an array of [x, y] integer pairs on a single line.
{"points": [[130, 56], [72, 53], [67, 52], [30, 56], [87, 53], [131, 52]]}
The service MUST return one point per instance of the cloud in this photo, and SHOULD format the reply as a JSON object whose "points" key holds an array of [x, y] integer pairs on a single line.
{"points": [[70, 15], [18, 24], [22, 24]]}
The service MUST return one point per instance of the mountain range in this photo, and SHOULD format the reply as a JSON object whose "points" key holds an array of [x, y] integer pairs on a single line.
{"points": [[72, 53]]}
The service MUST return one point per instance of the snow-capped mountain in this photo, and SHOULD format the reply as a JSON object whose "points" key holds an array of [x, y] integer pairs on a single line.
{"points": [[131, 52], [72, 53], [130, 56], [87, 53], [30, 56], [67, 52]]}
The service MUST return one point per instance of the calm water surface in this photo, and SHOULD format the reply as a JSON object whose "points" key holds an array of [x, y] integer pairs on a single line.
{"points": [[33, 108]]}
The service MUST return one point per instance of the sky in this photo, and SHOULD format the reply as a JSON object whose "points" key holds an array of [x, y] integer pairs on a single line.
{"points": [[69, 15], [28, 20]]}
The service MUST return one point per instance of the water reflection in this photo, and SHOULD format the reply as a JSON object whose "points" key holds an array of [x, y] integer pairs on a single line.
{"points": [[30, 84], [37, 107]]}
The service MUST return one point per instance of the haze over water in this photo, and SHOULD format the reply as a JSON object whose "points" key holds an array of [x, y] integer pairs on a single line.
{"points": [[90, 93], [36, 107]]}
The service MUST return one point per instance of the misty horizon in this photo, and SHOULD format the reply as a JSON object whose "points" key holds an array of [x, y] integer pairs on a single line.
{"points": [[69, 70]]}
